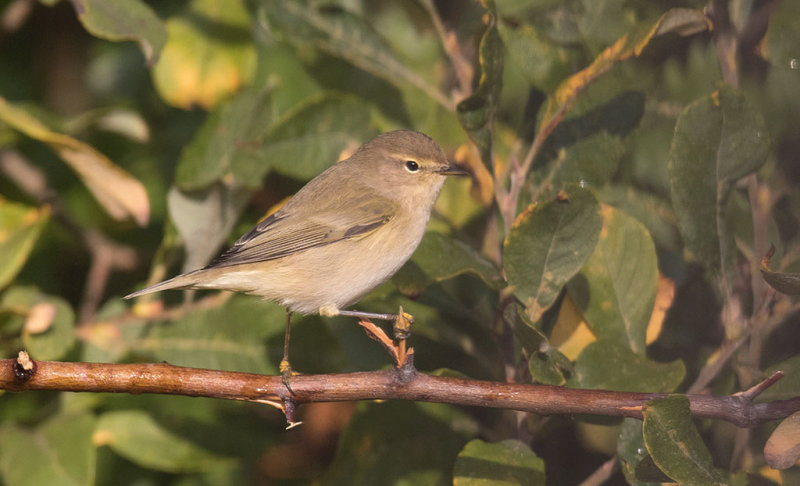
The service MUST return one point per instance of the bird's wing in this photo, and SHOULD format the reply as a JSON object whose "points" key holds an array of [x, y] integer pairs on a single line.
{"points": [[287, 232]]}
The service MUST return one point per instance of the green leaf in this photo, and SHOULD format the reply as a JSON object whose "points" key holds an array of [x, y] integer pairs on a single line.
{"points": [[311, 137], [550, 367], [548, 244], [610, 366], [59, 451], [782, 37], [675, 444], [476, 112], [507, 462], [683, 21], [48, 332], [648, 152], [546, 363], [205, 218], [123, 20], [636, 463], [240, 141], [229, 337], [343, 34], [601, 22], [20, 227], [209, 54], [518, 7], [459, 205], [591, 161], [543, 63], [228, 143], [688, 79], [616, 289], [134, 435], [120, 195], [784, 282], [606, 106], [391, 433], [440, 257], [782, 449], [232, 336], [654, 212], [718, 139]]}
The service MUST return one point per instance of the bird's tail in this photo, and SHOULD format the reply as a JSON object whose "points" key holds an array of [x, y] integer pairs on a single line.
{"points": [[184, 281]]}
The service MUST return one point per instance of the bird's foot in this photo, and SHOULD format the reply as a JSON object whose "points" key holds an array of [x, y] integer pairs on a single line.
{"points": [[402, 325], [286, 373]]}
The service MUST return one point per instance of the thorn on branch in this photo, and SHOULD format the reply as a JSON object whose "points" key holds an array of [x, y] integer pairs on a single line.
{"points": [[751, 393]]}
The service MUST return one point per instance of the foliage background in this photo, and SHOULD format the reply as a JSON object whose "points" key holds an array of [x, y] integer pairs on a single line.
{"points": [[137, 139]]}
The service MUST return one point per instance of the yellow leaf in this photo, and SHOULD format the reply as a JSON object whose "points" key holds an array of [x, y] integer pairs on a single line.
{"points": [[571, 333], [683, 21], [664, 297], [483, 184], [119, 193], [782, 449], [209, 55], [771, 475], [40, 318]]}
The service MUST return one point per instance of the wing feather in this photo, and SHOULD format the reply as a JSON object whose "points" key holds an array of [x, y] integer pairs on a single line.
{"points": [[287, 232]]}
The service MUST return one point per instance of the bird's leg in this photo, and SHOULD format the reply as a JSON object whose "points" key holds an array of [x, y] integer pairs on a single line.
{"points": [[383, 317], [285, 367], [366, 315]]}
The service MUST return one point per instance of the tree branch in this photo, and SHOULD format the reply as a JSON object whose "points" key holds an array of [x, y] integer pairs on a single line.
{"points": [[404, 383]]}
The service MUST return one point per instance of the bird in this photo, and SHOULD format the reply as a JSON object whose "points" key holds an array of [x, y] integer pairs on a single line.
{"points": [[345, 232]]}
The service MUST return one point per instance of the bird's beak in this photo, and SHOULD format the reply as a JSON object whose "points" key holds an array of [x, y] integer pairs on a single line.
{"points": [[452, 169]]}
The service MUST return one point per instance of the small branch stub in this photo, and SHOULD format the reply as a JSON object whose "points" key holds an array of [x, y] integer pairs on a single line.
{"points": [[24, 367], [753, 392], [395, 347], [289, 409]]}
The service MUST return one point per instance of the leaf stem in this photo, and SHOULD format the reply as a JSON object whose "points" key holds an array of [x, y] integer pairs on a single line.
{"points": [[463, 69], [518, 175]]}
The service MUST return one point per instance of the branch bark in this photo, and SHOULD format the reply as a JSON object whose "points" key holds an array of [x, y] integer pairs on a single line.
{"points": [[404, 383]]}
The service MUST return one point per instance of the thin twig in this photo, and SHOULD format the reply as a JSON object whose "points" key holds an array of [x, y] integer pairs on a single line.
{"points": [[710, 370], [14, 16], [754, 391], [509, 203], [106, 257], [462, 67]]}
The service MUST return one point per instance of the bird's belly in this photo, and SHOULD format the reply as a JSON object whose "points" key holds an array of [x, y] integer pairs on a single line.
{"points": [[336, 275]]}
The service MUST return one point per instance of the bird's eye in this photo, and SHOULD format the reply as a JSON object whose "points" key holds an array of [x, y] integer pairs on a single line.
{"points": [[412, 166]]}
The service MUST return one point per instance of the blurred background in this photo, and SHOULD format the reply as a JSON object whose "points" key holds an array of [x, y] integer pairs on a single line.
{"points": [[139, 139]]}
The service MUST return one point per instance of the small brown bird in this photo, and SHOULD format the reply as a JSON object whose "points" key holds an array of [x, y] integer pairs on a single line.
{"points": [[344, 233]]}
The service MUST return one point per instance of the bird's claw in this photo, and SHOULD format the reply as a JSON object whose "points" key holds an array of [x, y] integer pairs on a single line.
{"points": [[286, 373]]}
